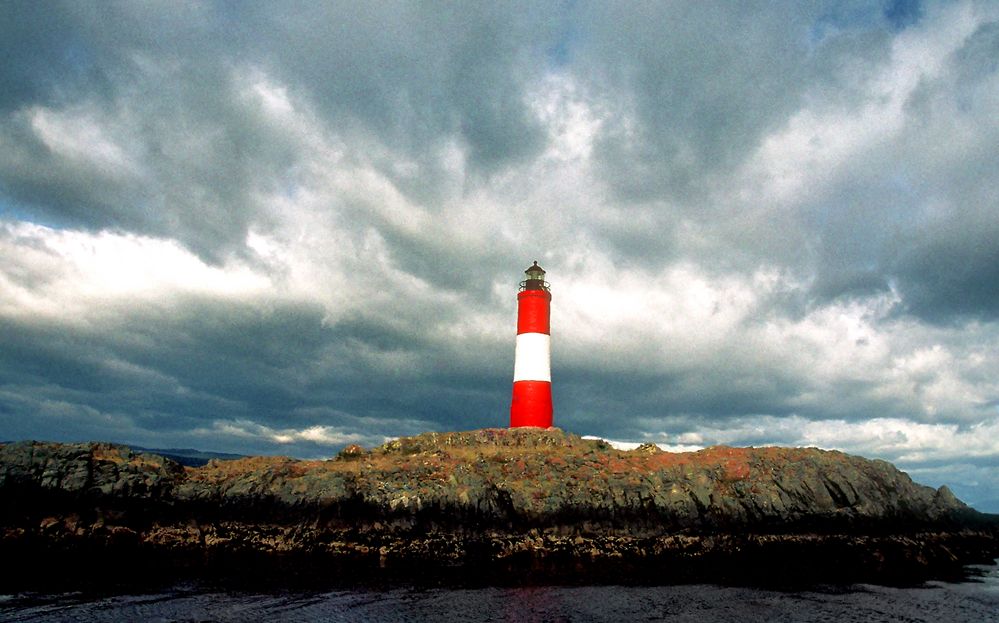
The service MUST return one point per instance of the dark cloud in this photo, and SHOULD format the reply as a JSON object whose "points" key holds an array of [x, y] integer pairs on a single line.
{"points": [[413, 77], [696, 87], [46, 57], [903, 13], [952, 274], [171, 367]]}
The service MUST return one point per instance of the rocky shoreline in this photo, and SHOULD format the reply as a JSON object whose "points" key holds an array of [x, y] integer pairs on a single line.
{"points": [[522, 505]]}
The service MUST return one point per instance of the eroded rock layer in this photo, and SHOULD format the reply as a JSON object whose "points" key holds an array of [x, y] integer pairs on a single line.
{"points": [[504, 500]]}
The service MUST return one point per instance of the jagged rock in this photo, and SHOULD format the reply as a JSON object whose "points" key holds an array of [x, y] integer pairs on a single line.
{"points": [[648, 448], [493, 493], [100, 468], [353, 451]]}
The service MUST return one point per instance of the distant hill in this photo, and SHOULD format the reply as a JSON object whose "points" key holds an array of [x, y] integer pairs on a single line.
{"points": [[189, 456]]}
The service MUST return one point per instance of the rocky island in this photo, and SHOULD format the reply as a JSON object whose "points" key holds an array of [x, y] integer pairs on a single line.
{"points": [[518, 505]]}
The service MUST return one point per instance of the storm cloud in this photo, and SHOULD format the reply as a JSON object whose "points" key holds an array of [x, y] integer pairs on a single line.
{"points": [[286, 227]]}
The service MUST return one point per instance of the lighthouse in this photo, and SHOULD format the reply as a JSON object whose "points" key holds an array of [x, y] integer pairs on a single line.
{"points": [[532, 377]]}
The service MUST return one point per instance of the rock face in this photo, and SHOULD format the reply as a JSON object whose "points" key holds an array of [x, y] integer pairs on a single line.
{"points": [[520, 500]]}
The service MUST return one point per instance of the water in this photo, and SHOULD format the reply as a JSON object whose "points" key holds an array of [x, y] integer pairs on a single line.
{"points": [[937, 602]]}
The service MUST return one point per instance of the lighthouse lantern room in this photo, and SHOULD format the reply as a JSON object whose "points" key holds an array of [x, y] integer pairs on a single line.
{"points": [[535, 278], [532, 381]]}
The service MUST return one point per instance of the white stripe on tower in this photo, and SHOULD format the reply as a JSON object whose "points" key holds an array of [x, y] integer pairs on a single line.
{"points": [[532, 358]]}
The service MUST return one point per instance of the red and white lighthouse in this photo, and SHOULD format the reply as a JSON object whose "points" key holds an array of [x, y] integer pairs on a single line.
{"points": [[532, 376]]}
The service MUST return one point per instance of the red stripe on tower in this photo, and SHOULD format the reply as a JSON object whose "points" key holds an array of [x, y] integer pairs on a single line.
{"points": [[532, 377]]}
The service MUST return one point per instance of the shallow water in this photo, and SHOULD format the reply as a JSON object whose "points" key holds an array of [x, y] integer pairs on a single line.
{"points": [[936, 602]]}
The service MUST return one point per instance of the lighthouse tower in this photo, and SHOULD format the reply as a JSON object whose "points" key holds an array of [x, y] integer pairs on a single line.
{"points": [[532, 377]]}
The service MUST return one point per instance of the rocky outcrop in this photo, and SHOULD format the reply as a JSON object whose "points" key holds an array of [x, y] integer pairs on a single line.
{"points": [[541, 500]]}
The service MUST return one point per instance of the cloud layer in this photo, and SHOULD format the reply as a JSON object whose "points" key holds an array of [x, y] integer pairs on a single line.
{"points": [[281, 229]]}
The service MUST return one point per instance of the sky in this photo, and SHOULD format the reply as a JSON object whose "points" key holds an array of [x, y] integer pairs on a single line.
{"points": [[284, 227]]}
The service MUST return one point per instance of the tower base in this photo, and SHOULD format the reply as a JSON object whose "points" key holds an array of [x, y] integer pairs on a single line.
{"points": [[532, 404]]}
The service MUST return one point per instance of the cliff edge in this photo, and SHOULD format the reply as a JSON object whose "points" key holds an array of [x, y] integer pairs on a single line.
{"points": [[520, 503]]}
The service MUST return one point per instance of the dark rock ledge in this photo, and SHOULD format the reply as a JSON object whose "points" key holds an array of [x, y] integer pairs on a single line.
{"points": [[499, 505]]}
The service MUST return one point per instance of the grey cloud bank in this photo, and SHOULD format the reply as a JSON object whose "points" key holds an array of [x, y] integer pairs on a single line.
{"points": [[277, 228]]}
